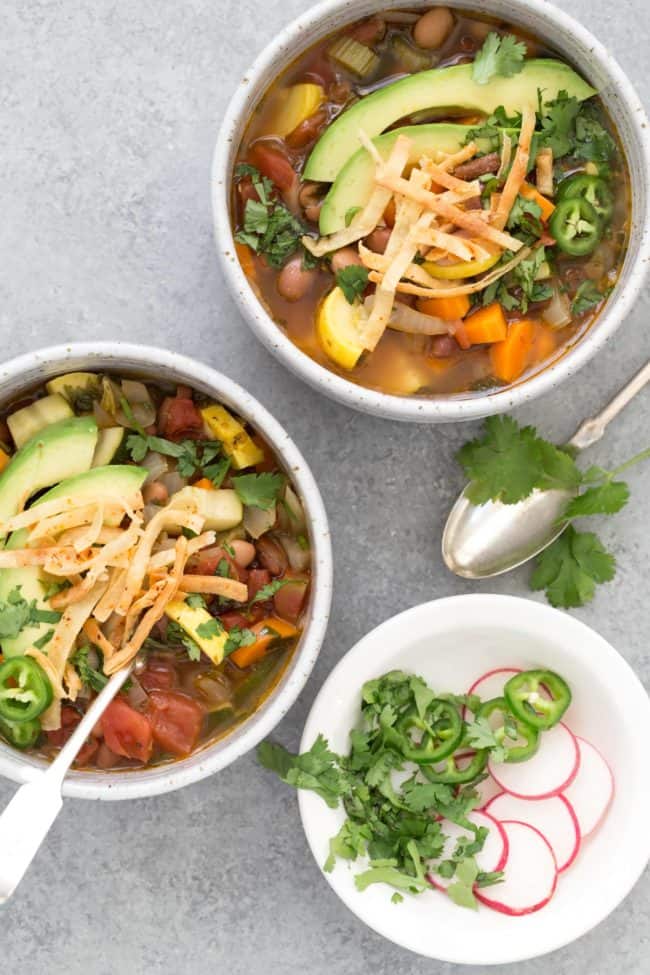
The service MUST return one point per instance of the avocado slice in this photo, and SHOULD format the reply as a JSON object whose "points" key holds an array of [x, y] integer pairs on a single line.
{"points": [[354, 184], [117, 481], [440, 88], [61, 450]]}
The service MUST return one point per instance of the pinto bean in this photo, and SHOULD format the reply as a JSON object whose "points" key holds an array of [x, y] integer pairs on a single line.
{"points": [[244, 552], [345, 257], [378, 239], [443, 346], [433, 28], [155, 493], [477, 167], [310, 198], [272, 556], [294, 281]]}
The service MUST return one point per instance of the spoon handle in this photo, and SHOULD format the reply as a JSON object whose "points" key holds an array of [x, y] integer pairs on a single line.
{"points": [[591, 430], [27, 819]]}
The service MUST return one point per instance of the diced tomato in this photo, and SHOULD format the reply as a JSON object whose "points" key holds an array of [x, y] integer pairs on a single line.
{"points": [[308, 130], [272, 163], [256, 579], [234, 619], [207, 562], [87, 751], [158, 675], [289, 600], [70, 718], [179, 419], [175, 720], [127, 732]]}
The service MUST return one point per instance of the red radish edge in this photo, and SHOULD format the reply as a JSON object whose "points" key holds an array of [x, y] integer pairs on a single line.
{"points": [[553, 792], [490, 673], [513, 911], [571, 812], [435, 882], [612, 792]]}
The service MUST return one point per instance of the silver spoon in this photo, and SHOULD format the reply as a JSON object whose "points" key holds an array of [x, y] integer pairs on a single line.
{"points": [[492, 538], [27, 818]]}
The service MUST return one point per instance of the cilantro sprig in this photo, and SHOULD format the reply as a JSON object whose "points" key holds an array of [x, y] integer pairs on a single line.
{"points": [[191, 455], [509, 462], [270, 229], [17, 614], [353, 281], [500, 55]]}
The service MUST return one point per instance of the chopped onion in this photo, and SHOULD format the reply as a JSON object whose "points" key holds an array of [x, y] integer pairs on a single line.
{"points": [[291, 516], [143, 413], [405, 319], [135, 392], [136, 693], [173, 482], [299, 558], [156, 464], [257, 521], [557, 314], [104, 419]]}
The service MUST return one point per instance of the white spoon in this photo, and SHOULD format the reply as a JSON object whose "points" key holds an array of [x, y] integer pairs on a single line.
{"points": [[27, 819], [480, 541]]}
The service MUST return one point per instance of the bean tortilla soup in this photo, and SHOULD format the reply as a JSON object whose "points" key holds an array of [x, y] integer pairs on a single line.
{"points": [[138, 520], [431, 203]]}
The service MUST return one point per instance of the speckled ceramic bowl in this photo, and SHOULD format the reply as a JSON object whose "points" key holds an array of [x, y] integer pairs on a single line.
{"points": [[578, 46], [36, 367]]}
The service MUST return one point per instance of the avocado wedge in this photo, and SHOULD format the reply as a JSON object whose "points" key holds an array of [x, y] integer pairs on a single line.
{"points": [[440, 88]]}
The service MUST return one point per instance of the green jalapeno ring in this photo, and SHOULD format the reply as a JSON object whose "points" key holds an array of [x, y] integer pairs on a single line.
{"points": [[442, 730], [576, 226], [522, 693], [452, 775], [25, 691], [21, 734], [514, 753], [594, 189]]}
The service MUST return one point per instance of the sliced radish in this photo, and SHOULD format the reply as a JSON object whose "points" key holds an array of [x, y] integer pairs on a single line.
{"points": [[492, 857], [491, 685], [553, 817], [530, 875], [592, 790], [547, 773]]}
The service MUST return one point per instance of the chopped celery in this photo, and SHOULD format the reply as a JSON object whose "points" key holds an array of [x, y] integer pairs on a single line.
{"points": [[410, 59], [353, 56]]}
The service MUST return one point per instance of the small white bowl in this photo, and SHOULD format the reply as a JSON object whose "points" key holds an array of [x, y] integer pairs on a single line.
{"points": [[451, 642], [29, 370], [579, 47]]}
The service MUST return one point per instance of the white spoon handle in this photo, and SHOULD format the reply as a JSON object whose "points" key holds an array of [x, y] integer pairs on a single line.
{"points": [[27, 819], [591, 430]]}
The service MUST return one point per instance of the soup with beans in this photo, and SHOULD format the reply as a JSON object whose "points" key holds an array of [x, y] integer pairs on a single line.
{"points": [[147, 525], [431, 203]]}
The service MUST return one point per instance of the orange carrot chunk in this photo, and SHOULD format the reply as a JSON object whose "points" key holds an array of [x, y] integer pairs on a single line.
{"points": [[530, 193], [449, 309], [510, 357], [266, 631], [486, 325], [204, 483]]}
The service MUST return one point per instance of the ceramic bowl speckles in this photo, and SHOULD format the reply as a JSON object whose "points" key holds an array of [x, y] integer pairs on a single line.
{"points": [[27, 371], [578, 46]]}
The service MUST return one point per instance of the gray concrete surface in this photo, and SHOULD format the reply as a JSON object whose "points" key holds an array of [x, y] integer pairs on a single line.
{"points": [[108, 113]]}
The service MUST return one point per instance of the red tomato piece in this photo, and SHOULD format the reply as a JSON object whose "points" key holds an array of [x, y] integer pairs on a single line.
{"points": [[87, 751], [234, 619], [179, 419], [256, 579], [175, 721], [289, 600], [127, 732], [158, 675], [70, 718], [272, 163]]}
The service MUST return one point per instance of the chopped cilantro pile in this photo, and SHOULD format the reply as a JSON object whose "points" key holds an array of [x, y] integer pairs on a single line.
{"points": [[17, 614], [191, 455], [270, 229], [509, 462]]}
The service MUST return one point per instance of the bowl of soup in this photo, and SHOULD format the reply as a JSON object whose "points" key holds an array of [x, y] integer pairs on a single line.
{"points": [[433, 213], [151, 513]]}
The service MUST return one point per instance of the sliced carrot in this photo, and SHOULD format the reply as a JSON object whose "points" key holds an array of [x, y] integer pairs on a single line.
{"points": [[545, 343], [486, 325], [266, 631], [4, 459], [510, 357], [531, 193], [204, 483], [449, 309], [245, 256]]}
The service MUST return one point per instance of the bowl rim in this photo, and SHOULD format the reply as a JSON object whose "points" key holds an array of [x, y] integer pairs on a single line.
{"points": [[210, 758], [386, 405], [580, 640]]}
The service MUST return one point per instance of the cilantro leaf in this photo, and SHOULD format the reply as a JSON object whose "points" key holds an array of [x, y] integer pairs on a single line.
{"points": [[570, 569], [317, 769], [268, 591], [176, 635], [258, 490], [209, 628], [461, 891], [558, 124], [238, 638], [586, 297], [270, 229], [353, 281], [195, 600], [16, 614], [88, 675], [604, 499], [43, 640], [502, 56]]}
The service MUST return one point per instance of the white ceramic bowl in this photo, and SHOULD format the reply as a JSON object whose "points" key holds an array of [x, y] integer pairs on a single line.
{"points": [[140, 360], [571, 40], [451, 642]]}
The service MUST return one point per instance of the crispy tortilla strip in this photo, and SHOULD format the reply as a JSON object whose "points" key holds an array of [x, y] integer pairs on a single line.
{"points": [[518, 170], [379, 262], [95, 635], [56, 506], [51, 717], [52, 674], [506, 155], [449, 163], [544, 171], [440, 176], [405, 287], [448, 244], [72, 682], [20, 557], [216, 586], [366, 221], [106, 605], [166, 556]]}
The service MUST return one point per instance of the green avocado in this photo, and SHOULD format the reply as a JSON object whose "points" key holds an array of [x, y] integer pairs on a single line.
{"points": [[59, 451], [440, 88], [119, 481]]}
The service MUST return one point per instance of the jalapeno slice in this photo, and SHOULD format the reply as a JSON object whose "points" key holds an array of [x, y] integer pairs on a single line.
{"points": [[538, 697], [593, 189], [25, 691], [452, 774], [511, 729], [439, 731], [576, 226], [20, 734]]}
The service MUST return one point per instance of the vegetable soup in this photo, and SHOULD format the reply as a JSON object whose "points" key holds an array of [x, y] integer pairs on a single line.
{"points": [[148, 524], [431, 204]]}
